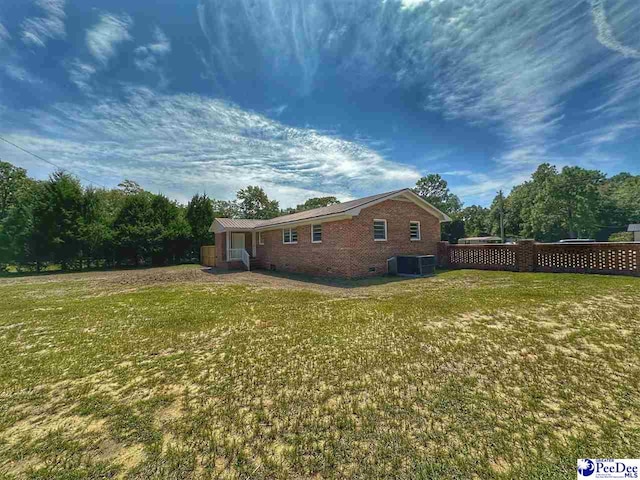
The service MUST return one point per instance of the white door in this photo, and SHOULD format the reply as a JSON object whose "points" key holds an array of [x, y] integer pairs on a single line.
{"points": [[237, 245]]}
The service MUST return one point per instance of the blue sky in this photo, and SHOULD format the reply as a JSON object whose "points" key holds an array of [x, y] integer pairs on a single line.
{"points": [[319, 97]]}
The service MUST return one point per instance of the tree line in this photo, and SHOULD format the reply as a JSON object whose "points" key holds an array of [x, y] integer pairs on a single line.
{"points": [[554, 204], [58, 222]]}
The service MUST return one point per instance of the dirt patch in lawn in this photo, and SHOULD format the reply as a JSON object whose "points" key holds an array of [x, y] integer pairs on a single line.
{"points": [[123, 281]]}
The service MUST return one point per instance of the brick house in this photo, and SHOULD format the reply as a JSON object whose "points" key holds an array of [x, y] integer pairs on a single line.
{"points": [[350, 240]]}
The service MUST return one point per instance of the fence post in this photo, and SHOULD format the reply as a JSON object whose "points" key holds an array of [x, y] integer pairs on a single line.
{"points": [[526, 255], [443, 254]]}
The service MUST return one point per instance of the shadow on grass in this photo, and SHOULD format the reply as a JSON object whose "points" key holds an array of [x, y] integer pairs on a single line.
{"points": [[324, 281]]}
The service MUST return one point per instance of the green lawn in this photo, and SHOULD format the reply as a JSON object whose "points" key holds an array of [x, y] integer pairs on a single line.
{"points": [[178, 373]]}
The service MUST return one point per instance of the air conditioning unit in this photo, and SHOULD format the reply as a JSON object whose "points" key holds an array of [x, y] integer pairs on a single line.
{"points": [[412, 265]]}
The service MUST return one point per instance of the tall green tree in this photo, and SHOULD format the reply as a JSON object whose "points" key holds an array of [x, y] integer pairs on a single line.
{"points": [[621, 195], [57, 217], [555, 204], [173, 231], [16, 215], [477, 221], [17, 240], [12, 181], [317, 202], [435, 190], [578, 196], [96, 234], [200, 215], [137, 232], [254, 203], [226, 209], [130, 187]]}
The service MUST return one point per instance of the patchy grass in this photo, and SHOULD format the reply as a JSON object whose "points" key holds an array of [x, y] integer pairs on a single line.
{"points": [[177, 373]]}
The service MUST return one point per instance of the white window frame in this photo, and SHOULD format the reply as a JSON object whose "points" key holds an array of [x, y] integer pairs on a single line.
{"points": [[260, 238], [411, 223], [386, 233], [316, 225], [290, 230]]}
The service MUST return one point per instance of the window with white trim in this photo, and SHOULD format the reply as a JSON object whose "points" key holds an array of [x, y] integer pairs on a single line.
{"points": [[414, 230], [316, 233], [260, 238], [380, 230], [289, 236]]}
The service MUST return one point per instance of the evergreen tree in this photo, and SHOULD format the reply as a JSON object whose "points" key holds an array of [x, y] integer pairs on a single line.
{"points": [[57, 220], [200, 216]]}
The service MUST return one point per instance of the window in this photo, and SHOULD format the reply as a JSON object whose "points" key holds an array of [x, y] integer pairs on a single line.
{"points": [[414, 230], [316, 233], [380, 230], [289, 235], [260, 238]]}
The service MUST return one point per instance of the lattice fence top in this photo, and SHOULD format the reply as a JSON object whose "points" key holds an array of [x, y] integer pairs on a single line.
{"points": [[607, 258], [485, 256], [592, 258]]}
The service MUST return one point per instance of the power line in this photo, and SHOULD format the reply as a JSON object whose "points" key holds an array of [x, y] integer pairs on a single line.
{"points": [[50, 162]]}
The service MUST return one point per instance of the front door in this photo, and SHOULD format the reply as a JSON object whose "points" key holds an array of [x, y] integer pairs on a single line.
{"points": [[237, 245]]}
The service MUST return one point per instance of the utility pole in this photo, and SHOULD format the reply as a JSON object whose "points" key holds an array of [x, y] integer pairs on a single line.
{"points": [[501, 195]]}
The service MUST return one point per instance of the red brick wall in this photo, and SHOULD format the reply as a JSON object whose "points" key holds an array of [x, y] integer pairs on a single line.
{"points": [[348, 248], [329, 258], [367, 253]]}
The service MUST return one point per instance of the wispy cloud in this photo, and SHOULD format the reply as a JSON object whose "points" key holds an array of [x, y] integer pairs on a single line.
{"points": [[612, 133], [188, 143], [4, 35], [517, 71], [504, 66], [36, 31], [482, 187], [412, 3], [605, 33], [104, 38], [80, 74], [148, 56], [20, 74]]}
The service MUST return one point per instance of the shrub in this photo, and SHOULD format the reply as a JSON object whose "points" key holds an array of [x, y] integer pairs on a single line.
{"points": [[621, 237]]}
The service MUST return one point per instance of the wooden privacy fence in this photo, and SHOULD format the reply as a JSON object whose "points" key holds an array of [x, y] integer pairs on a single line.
{"points": [[208, 256], [528, 256]]}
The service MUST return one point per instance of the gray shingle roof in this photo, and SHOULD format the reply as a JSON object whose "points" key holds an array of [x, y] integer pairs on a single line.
{"points": [[229, 223], [324, 211], [634, 227]]}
